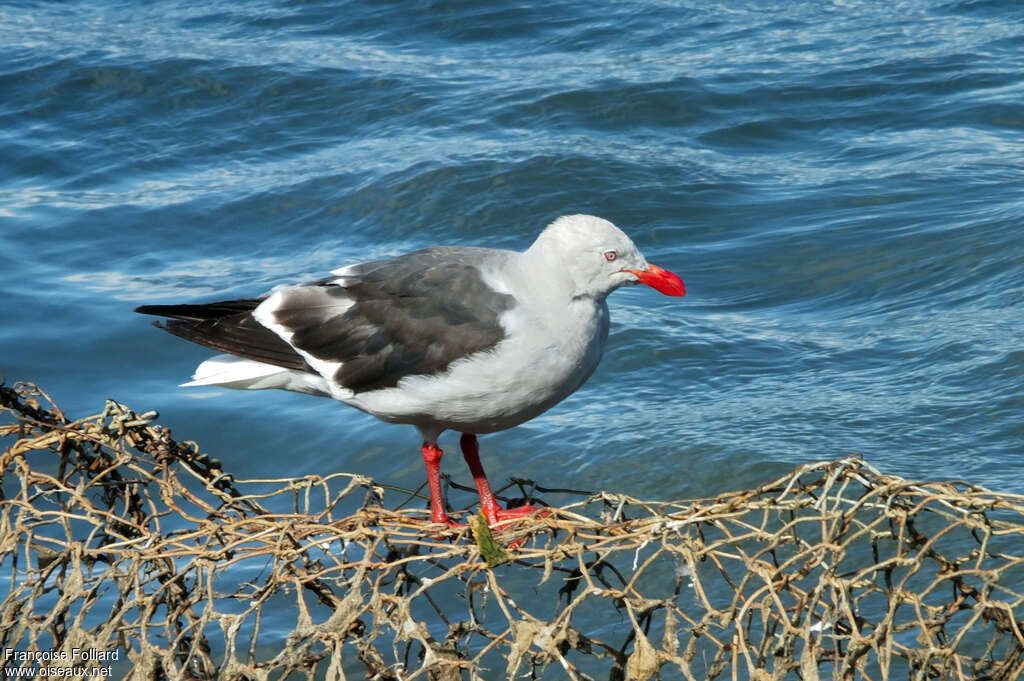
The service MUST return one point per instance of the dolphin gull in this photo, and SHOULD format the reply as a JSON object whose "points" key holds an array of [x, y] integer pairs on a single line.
{"points": [[474, 340]]}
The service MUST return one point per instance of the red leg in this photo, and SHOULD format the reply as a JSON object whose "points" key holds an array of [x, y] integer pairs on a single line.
{"points": [[432, 459], [488, 504]]}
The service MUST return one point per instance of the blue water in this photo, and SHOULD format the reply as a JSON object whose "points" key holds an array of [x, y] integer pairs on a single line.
{"points": [[840, 184]]}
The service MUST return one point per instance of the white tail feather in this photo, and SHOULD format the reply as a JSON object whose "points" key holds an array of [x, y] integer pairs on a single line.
{"points": [[238, 373], [227, 369]]}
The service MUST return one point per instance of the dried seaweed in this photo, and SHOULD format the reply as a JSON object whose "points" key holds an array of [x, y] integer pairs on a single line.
{"points": [[117, 537]]}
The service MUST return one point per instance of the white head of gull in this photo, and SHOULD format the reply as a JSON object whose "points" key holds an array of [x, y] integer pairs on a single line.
{"points": [[446, 338]]}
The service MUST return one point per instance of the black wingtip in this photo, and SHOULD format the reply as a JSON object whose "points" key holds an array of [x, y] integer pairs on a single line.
{"points": [[192, 312], [161, 310]]}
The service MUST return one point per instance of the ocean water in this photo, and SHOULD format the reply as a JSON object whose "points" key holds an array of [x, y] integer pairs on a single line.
{"points": [[840, 184]]}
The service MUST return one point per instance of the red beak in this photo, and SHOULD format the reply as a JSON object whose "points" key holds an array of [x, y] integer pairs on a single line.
{"points": [[660, 280]]}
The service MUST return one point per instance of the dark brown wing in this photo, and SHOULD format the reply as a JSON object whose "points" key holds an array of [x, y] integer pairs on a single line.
{"points": [[382, 321]]}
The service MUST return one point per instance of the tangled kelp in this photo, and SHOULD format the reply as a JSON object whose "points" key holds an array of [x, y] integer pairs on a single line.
{"points": [[120, 540]]}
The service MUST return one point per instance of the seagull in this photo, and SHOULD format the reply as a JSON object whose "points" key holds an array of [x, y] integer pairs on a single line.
{"points": [[468, 339]]}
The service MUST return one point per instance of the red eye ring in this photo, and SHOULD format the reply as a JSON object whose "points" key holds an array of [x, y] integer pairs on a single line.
{"points": [[610, 256]]}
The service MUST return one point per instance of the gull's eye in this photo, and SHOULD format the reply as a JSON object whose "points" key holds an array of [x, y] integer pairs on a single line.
{"points": [[610, 256]]}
